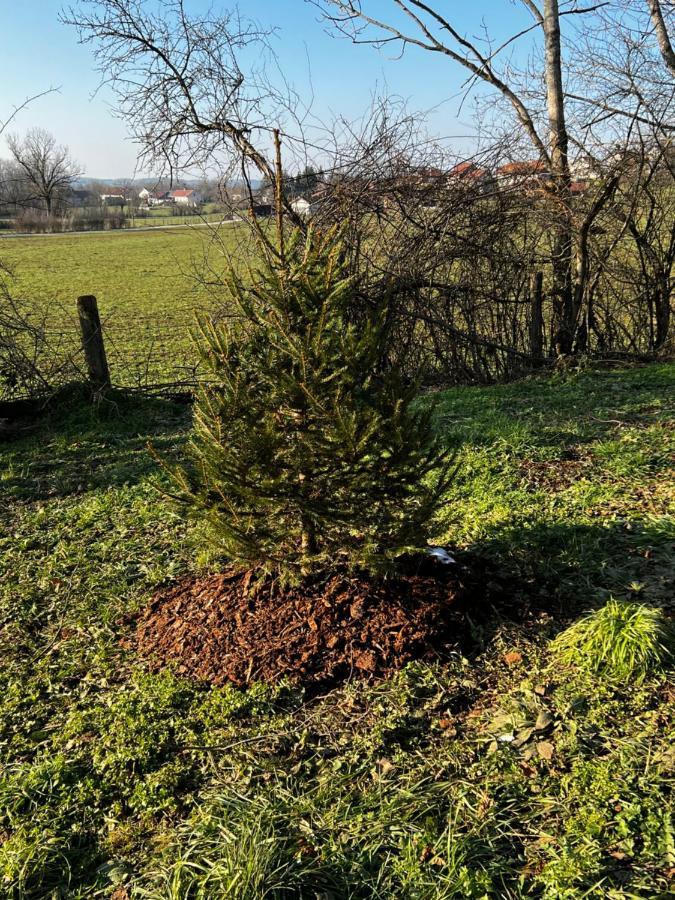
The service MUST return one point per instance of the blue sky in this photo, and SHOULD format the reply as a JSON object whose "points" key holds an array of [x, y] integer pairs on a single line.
{"points": [[37, 51]]}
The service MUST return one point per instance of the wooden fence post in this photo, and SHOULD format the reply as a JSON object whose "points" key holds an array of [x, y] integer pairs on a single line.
{"points": [[92, 341], [536, 316]]}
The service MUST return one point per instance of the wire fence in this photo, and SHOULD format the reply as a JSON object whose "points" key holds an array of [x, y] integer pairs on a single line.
{"points": [[144, 352]]}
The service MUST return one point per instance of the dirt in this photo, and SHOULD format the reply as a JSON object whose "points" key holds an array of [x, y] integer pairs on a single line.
{"points": [[224, 629], [556, 474]]}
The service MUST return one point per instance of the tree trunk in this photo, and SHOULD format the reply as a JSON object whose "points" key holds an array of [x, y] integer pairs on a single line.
{"points": [[561, 261], [662, 309], [536, 317], [662, 36]]}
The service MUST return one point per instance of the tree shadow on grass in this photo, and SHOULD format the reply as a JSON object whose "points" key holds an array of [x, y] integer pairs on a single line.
{"points": [[76, 446], [549, 412], [563, 569]]}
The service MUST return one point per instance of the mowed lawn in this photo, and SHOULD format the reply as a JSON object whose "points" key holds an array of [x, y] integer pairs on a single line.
{"points": [[147, 284], [495, 773]]}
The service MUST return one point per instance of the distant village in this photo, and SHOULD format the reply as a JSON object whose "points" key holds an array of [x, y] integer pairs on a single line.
{"points": [[307, 189], [81, 205], [429, 184]]}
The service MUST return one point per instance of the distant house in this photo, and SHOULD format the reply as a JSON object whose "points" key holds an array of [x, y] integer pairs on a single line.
{"points": [[115, 197], [179, 197], [584, 169], [153, 198], [529, 174], [579, 187], [470, 175], [303, 207], [184, 197]]}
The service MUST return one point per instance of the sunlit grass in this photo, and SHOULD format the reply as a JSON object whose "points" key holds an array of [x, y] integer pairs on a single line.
{"points": [[501, 771], [621, 640]]}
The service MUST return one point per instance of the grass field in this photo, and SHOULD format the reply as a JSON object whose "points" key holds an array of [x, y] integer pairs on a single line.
{"points": [[498, 774], [157, 221], [145, 284]]}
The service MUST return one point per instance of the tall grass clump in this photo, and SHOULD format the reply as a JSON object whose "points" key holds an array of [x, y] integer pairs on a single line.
{"points": [[625, 641]]}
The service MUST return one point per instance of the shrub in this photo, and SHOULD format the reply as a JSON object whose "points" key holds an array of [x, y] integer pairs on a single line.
{"points": [[622, 640], [308, 452]]}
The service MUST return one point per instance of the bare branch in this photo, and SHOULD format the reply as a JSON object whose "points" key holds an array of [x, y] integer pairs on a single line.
{"points": [[662, 36]]}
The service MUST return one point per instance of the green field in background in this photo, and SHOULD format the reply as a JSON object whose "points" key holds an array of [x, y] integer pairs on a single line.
{"points": [[146, 284]]}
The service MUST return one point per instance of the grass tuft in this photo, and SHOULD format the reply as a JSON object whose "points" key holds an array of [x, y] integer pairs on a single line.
{"points": [[625, 641]]}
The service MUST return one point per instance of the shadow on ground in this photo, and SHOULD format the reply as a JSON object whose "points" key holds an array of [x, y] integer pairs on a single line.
{"points": [[586, 406], [562, 569], [76, 446]]}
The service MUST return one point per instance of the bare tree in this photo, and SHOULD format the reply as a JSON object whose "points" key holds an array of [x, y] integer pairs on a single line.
{"points": [[181, 86], [617, 78], [48, 167], [12, 185], [431, 30], [25, 367], [637, 275]]}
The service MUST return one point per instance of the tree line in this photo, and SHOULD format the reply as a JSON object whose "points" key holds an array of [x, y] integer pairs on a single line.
{"points": [[482, 278], [590, 89]]}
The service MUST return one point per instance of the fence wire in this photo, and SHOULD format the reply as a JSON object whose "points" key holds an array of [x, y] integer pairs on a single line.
{"points": [[153, 352]]}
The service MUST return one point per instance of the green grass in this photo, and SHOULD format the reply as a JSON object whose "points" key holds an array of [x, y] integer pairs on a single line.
{"points": [[626, 641], [158, 218], [145, 285], [500, 773]]}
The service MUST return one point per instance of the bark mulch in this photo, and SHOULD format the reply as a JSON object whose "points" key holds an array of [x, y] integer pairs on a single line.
{"points": [[223, 629]]}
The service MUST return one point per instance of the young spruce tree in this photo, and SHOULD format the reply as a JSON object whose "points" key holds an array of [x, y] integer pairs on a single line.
{"points": [[307, 454]]}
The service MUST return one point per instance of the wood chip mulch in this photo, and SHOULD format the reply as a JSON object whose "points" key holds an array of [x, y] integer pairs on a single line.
{"points": [[222, 629]]}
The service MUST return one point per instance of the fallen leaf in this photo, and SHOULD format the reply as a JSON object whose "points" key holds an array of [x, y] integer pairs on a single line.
{"points": [[426, 854], [545, 750], [513, 658], [523, 736], [544, 719], [385, 766]]}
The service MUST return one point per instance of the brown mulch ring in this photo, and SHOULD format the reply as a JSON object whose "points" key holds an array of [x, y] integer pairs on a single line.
{"points": [[221, 629]]}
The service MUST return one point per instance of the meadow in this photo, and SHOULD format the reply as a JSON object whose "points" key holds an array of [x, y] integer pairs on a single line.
{"points": [[504, 771], [148, 285]]}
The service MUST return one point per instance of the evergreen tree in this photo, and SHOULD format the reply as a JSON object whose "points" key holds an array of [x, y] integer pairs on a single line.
{"points": [[306, 453]]}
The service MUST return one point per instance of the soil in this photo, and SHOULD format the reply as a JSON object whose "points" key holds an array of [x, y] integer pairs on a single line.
{"points": [[556, 474], [224, 629]]}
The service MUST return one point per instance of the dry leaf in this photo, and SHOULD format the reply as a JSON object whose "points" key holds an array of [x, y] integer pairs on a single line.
{"points": [[544, 719], [545, 750], [513, 658], [426, 854]]}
